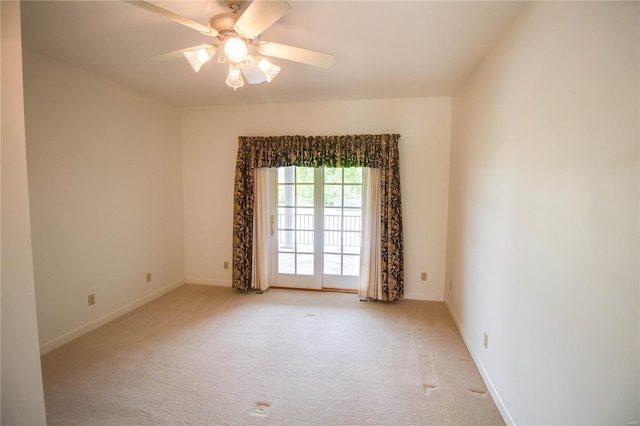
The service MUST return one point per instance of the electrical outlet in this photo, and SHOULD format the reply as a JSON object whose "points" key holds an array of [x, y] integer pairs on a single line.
{"points": [[486, 340], [450, 286], [148, 277], [423, 276], [226, 265], [92, 299]]}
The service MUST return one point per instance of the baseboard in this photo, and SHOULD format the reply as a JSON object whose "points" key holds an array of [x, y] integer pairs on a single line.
{"points": [[411, 295], [207, 281], [485, 376], [74, 334], [435, 297]]}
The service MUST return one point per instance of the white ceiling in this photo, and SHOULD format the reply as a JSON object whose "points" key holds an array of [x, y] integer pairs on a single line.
{"points": [[382, 49]]}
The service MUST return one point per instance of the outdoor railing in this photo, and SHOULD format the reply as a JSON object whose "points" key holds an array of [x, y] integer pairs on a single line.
{"points": [[338, 230]]}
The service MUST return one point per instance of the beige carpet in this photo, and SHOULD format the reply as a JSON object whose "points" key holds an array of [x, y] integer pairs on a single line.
{"points": [[209, 355]]}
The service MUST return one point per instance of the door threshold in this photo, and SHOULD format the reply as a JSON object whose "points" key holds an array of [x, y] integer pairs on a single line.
{"points": [[324, 289]]}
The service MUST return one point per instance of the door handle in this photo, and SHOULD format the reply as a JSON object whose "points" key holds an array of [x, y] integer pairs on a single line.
{"points": [[273, 225]]}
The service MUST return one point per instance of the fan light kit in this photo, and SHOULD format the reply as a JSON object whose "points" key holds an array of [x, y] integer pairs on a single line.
{"points": [[238, 41]]}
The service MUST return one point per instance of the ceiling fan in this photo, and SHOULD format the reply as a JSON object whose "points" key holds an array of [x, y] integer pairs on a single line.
{"points": [[238, 41]]}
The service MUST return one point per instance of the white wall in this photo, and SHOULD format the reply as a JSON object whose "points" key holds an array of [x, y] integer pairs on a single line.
{"points": [[543, 217], [22, 396], [210, 143], [105, 183]]}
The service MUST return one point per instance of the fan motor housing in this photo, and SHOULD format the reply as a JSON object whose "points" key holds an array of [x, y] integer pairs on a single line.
{"points": [[223, 23]]}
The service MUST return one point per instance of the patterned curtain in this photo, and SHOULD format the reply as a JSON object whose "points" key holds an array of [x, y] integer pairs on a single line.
{"points": [[375, 151]]}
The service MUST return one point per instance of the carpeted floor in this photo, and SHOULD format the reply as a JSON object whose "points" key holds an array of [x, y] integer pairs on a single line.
{"points": [[209, 355]]}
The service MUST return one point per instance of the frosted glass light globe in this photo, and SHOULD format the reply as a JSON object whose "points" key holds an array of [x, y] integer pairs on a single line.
{"points": [[236, 50], [270, 71], [197, 58], [234, 79]]}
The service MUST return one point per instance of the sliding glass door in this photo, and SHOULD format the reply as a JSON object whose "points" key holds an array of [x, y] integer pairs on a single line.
{"points": [[317, 227]]}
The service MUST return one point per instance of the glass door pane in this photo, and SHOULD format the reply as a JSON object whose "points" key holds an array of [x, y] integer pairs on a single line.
{"points": [[296, 261], [342, 227]]}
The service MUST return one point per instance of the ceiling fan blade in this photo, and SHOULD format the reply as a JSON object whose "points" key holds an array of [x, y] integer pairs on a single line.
{"points": [[259, 16], [296, 54], [173, 16], [252, 73], [180, 53]]}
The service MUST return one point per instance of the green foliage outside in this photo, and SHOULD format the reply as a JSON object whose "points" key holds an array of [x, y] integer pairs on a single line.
{"points": [[304, 194]]}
